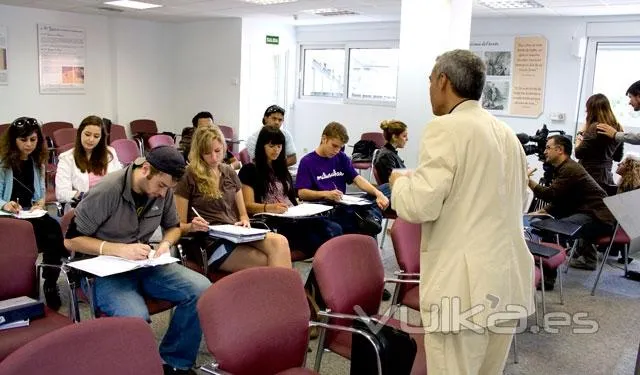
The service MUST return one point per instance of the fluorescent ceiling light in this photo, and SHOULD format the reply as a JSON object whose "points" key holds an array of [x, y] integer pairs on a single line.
{"points": [[269, 2], [510, 4], [132, 4], [330, 12]]}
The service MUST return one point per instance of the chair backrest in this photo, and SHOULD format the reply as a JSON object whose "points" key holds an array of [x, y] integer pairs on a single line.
{"points": [[127, 150], [406, 244], [262, 329], [143, 126], [4, 127], [49, 127], [65, 147], [64, 136], [227, 131], [98, 347], [160, 140], [376, 137], [117, 132], [349, 273], [18, 255], [244, 156]]}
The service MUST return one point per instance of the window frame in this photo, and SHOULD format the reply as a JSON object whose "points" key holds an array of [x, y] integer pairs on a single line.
{"points": [[347, 47]]}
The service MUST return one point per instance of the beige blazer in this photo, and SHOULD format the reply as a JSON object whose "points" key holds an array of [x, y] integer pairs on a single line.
{"points": [[468, 192]]}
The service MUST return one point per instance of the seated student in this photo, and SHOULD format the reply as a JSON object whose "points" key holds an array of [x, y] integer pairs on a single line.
{"points": [[82, 167], [23, 155], [118, 217], [267, 186], [274, 116], [324, 174], [203, 119], [213, 190], [574, 197], [395, 133]]}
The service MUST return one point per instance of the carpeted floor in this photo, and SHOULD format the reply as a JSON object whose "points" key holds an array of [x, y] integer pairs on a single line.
{"points": [[611, 350]]}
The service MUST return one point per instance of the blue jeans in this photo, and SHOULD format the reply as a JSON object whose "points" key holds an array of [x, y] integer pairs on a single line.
{"points": [[122, 295]]}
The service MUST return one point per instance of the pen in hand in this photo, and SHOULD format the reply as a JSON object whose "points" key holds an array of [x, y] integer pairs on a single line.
{"points": [[204, 224]]}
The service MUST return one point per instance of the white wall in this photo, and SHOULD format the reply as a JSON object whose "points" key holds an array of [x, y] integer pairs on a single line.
{"points": [[206, 75], [257, 90]]}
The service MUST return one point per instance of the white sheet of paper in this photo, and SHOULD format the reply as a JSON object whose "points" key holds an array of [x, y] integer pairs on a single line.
{"points": [[236, 230], [16, 324], [106, 265], [354, 201], [301, 210], [26, 214]]}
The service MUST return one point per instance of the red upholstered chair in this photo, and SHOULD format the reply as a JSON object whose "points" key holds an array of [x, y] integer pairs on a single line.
{"points": [[406, 244], [160, 140], [124, 346], [141, 130], [348, 279], [127, 150], [618, 237], [117, 132], [378, 139], [65, 147], [262, 329], [48, 128], [244, 156], [18, 255], [63, 137]]}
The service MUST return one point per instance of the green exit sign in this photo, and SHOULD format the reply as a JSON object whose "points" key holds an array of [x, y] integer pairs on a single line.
{"points": [[272, 39]]}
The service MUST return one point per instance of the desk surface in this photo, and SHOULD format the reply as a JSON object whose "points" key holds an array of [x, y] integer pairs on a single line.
{"points": [[542, 250], [556, 226]]}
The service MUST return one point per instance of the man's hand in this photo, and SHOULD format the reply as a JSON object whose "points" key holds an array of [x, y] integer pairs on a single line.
{"points": [[39, 205], [607, 130], [531, 171], [199, 224], [396, 175], [163, 247], [382, 201], [333, 195], [134, 251], [12, 207], [278, 208]]}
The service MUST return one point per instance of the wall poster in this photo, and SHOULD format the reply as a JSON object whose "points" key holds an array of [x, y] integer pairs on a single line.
{"points": [[4, 70], [516, 68], [61, 54]]}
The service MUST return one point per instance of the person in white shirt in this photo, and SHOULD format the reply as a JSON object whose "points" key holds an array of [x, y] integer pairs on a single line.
{"points": [[274, 116], [83, 166]]}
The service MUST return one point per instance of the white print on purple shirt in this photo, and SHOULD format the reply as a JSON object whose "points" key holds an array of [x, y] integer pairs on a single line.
{"points": [[333, 174]]}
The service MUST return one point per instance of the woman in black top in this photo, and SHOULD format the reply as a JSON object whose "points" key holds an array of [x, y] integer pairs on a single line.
{"points": [[267, 186], [396, 134], [23, 155], [596, 152]]}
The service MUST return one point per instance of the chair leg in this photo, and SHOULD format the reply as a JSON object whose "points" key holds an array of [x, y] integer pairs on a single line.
{"points": [[544, 306], [560, 280], [535, 305], [626, 259], [384, 232], [571, 252], [515, 348], [604, 261], [320, 349]]}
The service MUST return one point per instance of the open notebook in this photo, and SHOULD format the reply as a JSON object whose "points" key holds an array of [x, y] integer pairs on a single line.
{"points": [[105, 265], [237, 234], [25, 214], [351, 200], [301, 210]]}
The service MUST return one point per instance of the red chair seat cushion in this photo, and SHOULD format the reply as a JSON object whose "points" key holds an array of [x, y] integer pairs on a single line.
{"points": [[298, 371], [362, 165], [12, 339], [621, 239], [340, 343], [556, 260]]}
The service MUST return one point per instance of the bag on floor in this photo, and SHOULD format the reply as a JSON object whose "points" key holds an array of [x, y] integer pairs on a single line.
{"points": [[397, 350]]}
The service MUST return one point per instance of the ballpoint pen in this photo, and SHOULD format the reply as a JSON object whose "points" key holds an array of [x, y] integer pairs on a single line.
{"points": [[196, 212]]}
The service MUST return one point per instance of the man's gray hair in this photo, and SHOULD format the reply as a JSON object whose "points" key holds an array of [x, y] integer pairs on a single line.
{"points": [[465, 71]]}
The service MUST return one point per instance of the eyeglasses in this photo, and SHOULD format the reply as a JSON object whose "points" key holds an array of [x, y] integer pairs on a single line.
{"points": [[23, 122]]}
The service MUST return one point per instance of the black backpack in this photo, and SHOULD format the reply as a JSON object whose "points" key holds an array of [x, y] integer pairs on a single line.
{"points": [[363, 150]]}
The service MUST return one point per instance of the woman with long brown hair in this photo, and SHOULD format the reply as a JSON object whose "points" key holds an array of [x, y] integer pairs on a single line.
{"points": [[86, 163], [23, 155], [596, 152]]}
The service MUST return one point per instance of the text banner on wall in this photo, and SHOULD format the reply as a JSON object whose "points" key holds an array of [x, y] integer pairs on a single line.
{"points": [[4, 69], [515, 74], [61, 54]]}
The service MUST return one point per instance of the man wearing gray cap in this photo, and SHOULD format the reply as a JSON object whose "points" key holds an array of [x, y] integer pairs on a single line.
{"points": [[117, 217]]}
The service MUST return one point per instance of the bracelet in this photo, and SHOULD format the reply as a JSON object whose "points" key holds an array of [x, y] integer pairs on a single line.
{"points": [[102, 246], [265, 207]]}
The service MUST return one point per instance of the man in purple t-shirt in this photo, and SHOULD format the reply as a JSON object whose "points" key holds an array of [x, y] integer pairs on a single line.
{"points": [[324, 174]]}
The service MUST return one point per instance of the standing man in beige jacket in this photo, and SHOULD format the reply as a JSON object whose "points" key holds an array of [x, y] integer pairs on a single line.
{"points": [[468, 192]]}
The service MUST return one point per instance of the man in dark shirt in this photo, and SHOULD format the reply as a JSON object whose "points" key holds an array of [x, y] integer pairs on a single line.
{"points": [[574, 197]]}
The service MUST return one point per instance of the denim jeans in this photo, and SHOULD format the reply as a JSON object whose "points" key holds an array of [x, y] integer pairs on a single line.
{"points": [[122, 295]]}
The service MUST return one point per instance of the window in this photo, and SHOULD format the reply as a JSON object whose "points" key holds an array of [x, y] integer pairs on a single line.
{"points": [[371, 73], [323, 73]]}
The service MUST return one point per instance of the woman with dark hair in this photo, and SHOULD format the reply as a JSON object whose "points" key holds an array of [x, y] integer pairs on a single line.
{"points": [[267, 186], [82, 167], [396, 134], [23, 155], [596, 152]]}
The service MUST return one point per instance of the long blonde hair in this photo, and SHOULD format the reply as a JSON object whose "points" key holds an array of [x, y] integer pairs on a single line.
{"points": [[630, 177], [207, 183]]}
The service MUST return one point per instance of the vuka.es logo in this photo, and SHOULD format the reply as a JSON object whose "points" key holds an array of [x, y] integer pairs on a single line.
{"points": [[453, 319]]}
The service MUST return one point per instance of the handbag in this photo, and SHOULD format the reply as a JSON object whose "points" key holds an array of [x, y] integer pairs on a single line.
{"points": [[397, 350]]}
